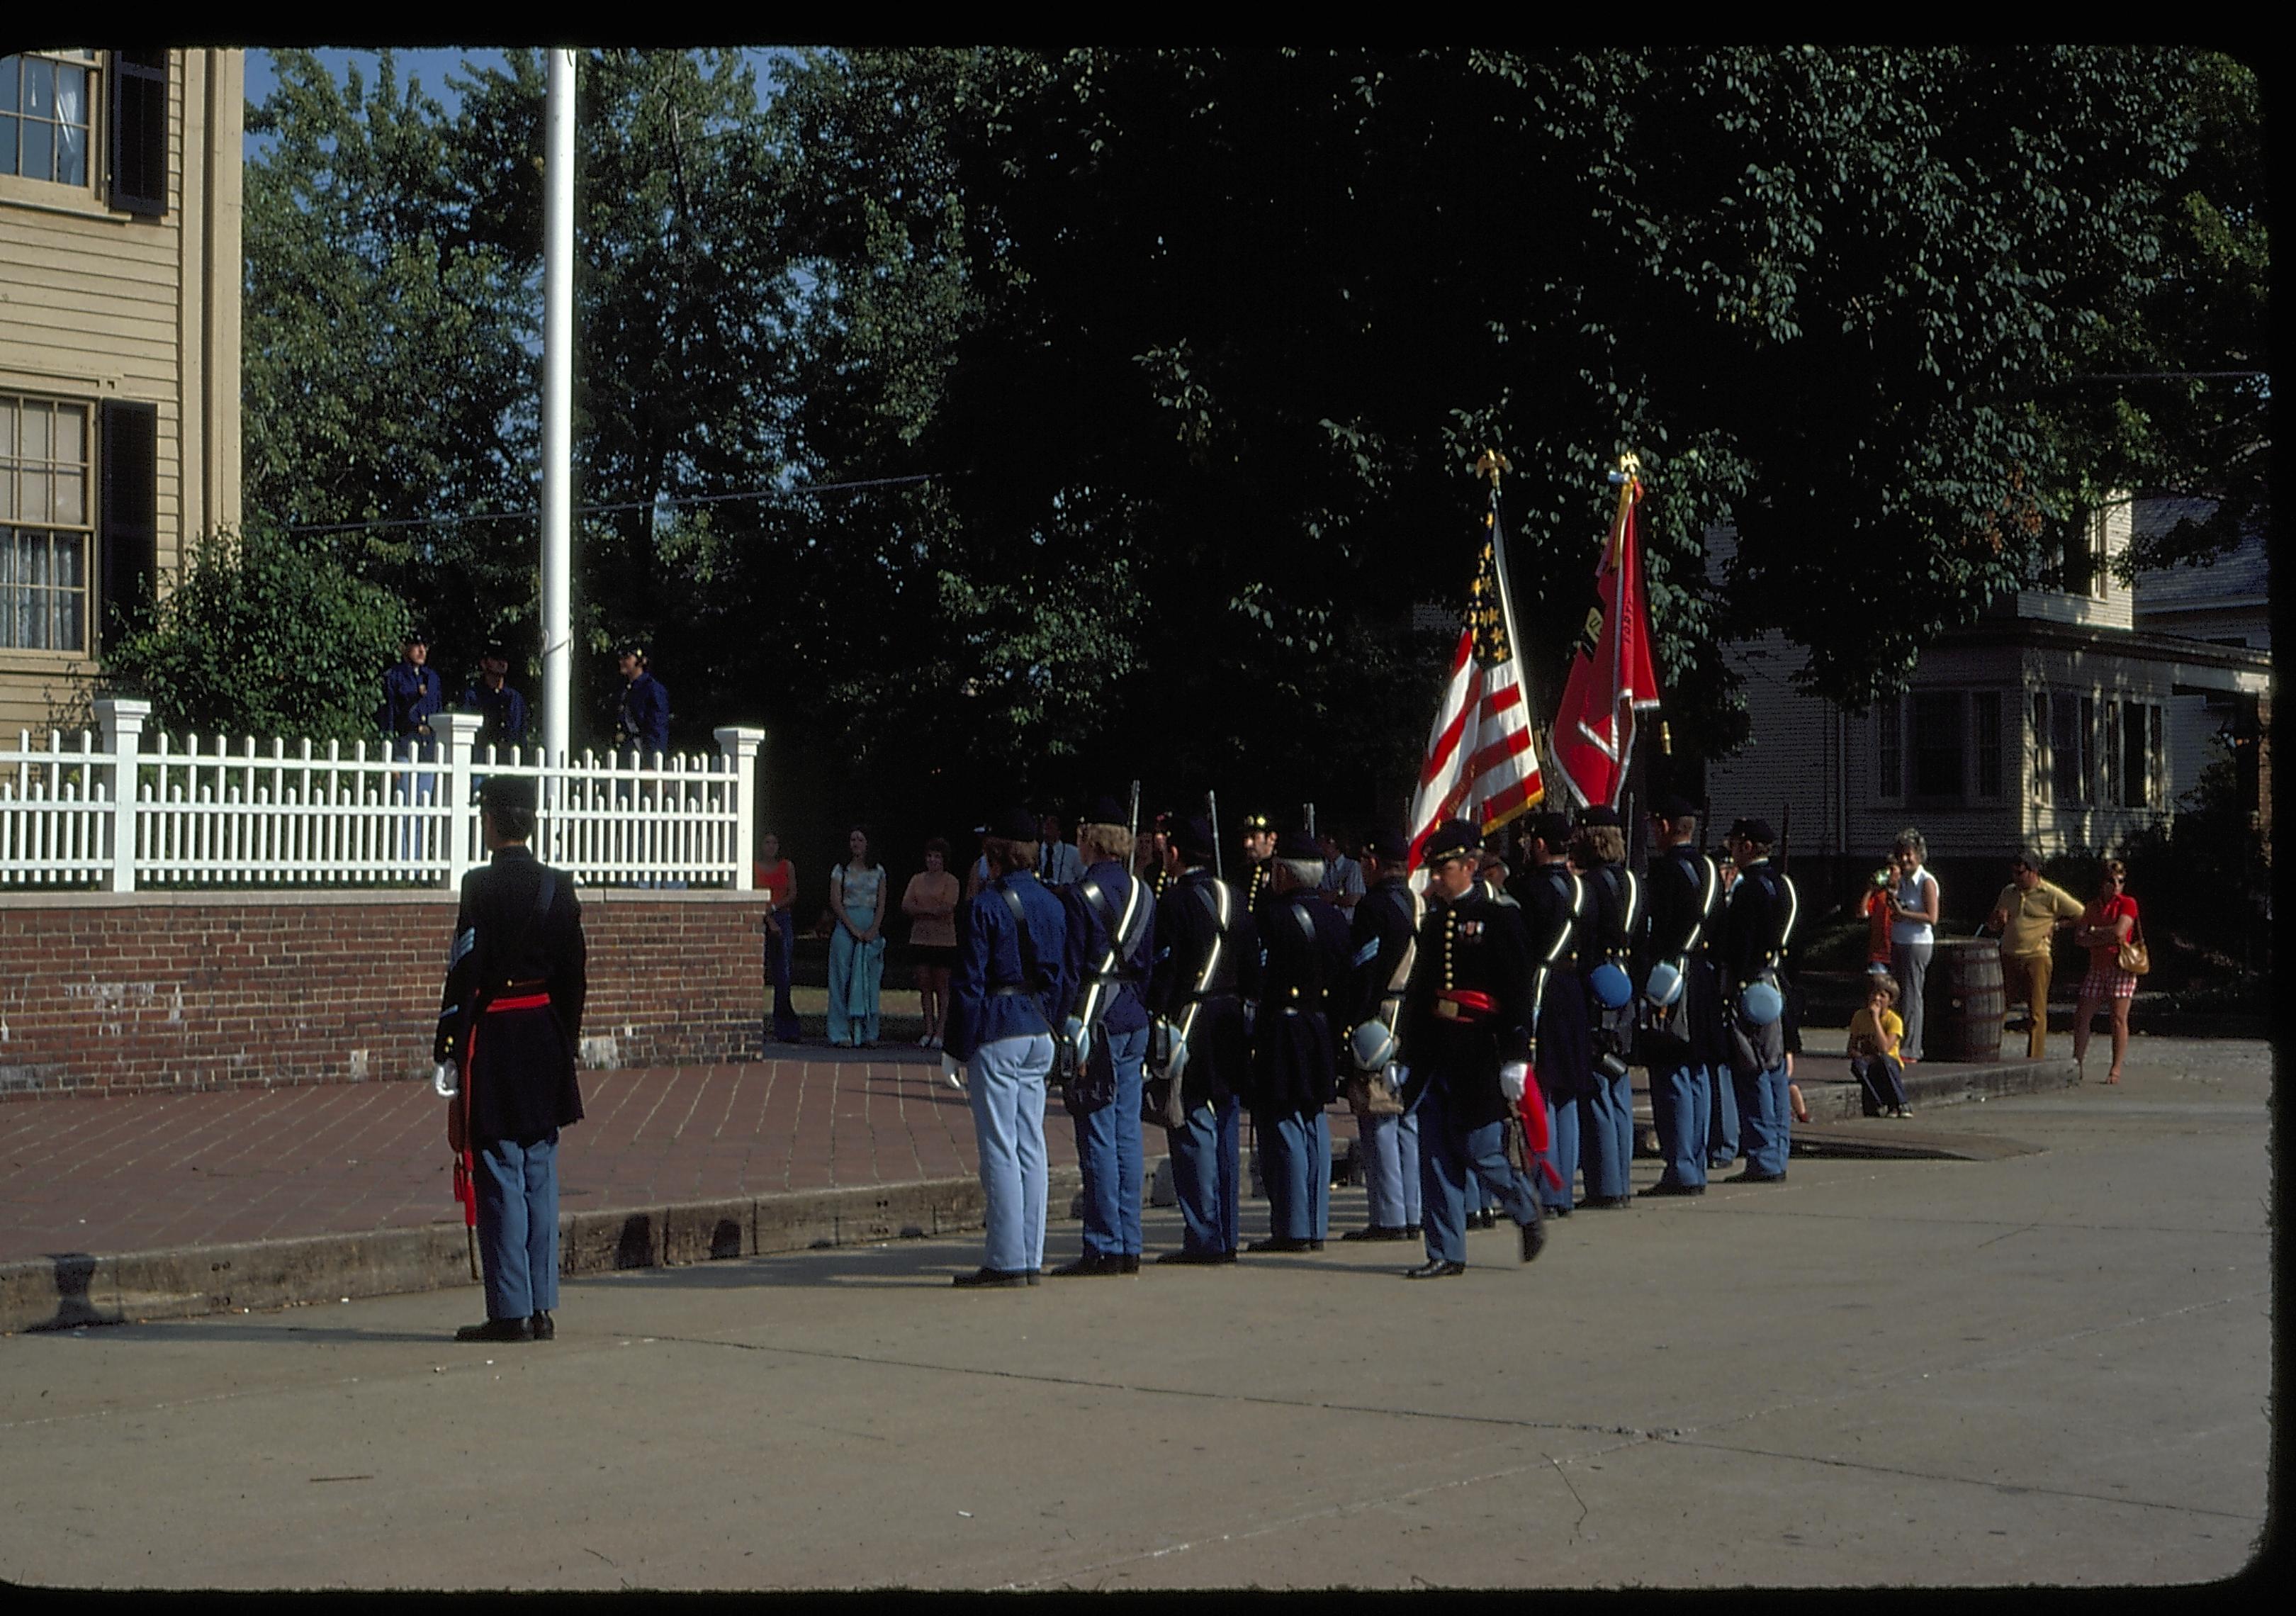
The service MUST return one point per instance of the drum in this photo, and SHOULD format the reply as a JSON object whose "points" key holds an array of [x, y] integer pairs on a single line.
{"points": [[1964, 1003]]}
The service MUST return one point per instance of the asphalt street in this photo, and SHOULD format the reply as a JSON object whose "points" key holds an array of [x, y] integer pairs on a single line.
{"points": [[2042, 1367]]}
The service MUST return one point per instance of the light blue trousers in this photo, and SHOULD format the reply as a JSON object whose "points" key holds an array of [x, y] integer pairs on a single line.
{"points": [[1766, 1120], [1680, 1100], [1005, 1081], [1561, 1155], [518, 1225], [1205, 1173], [1390, 1149], [1108, 1149], [1606, 1135], [1452, 1157], [1297, 1148]]}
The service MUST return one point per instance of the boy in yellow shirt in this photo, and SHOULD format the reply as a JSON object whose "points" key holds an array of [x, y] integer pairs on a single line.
{"points": [[1873, 1035]]}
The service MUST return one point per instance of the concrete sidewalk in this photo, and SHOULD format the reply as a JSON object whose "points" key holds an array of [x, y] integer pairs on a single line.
{"points": [[2053, 1367], [172, 1205]]}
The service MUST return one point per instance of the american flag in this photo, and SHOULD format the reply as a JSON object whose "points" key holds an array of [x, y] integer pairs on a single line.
{"points": [[1480, 762]]}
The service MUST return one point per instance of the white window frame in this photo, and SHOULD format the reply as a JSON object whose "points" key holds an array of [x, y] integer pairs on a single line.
{"points": [[16, 482], [88, 191]]}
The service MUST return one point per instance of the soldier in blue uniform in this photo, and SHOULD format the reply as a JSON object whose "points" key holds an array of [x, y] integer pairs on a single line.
{"points": [[1671, 949], [509, 1022], [1385, 933], [642, 720], [1756, 926], [1112, 925], [1303, 940], [1206, 963], [1606, 1115], [1722, 1136], [413, 694], [1467, 1027], [1007, 996], [500, 708], [1552, 903], [1258, 877]]}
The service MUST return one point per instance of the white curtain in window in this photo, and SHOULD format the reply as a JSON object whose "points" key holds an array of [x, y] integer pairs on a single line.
{"points": [[71, 126]]}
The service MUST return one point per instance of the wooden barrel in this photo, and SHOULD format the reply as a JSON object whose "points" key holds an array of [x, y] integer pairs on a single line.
{"points": [[1963, 1001]]}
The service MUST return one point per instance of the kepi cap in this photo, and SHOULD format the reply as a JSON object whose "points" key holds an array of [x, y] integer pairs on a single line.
{"points": [[1193, 836], [1752, 830], [1452, 839], [1388, 847], [1598, 815], [1258, 822], [1674, 805], [1300, 847], [1014, 825], [1104, 810]]}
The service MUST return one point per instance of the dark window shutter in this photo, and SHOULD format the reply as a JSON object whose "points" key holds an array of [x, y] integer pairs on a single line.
{"points": [[129, 521], [139, 132]]}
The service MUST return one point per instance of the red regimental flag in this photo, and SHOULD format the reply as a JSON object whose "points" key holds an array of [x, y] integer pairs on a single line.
{"points": [[1612, 673], [1480, 763]]}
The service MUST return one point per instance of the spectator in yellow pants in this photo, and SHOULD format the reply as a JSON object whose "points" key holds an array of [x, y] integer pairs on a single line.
{"points": [[2026, 914]]}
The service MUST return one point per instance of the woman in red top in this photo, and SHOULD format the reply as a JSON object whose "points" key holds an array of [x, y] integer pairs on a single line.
{"points": [[2103, 926]]}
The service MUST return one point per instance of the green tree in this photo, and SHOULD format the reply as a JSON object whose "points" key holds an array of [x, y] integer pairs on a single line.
{"points": [[262, 635]]}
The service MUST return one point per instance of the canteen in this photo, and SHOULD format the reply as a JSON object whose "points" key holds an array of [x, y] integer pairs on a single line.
{"points": [[1372, 1045], [1760, 1004], [1612, 986], [1664, 988]]}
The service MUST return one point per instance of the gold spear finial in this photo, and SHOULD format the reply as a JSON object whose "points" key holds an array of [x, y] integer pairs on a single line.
{"points": [[1490, 463]]}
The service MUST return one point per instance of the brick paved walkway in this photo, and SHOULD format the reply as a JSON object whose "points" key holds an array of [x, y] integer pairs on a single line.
{"points": [[146, 1172], [150, 1172]]}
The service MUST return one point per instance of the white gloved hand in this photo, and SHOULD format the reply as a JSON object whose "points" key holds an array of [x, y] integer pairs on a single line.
{"points": [[952, 1073], [447, 1079], [1079, 1038], [1514, 1075]]}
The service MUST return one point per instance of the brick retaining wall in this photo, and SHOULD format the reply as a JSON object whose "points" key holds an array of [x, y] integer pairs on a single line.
{"points": [[169, 992]]}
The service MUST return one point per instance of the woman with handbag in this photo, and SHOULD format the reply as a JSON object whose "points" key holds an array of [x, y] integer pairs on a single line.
{"points": [[2109, 931]]}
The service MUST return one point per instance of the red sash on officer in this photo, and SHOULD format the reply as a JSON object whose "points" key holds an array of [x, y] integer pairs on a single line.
{"points": [[466, 1166]]}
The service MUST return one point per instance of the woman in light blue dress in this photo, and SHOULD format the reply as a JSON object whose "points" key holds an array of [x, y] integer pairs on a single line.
{"points": [[856, 946]]}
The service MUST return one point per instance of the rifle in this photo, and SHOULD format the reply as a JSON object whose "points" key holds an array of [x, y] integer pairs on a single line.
{"points": [[1211, 811]]}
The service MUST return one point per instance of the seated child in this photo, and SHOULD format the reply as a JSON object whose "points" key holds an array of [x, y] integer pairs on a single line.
{"points": [[1873, 1035]]}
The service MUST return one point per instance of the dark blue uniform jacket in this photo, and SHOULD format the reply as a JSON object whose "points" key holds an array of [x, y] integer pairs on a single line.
{"points": [[411, 697], [521, 1071], [1121, 1004], [1294, 1045], [991, 994], [644, 719], [1476, 945], [1219, 1051], [1383, 929], [1552, 919], [503, 712]]}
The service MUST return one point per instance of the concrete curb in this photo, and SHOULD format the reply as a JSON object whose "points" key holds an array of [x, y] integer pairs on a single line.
{"points": [[76, 1288]]}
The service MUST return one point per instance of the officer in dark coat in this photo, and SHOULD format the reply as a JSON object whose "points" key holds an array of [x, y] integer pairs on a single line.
{"points": [[1258, 877], [500, 710], [1207, 962], [1295, 1072], [1682, 888], [1756, 926], [1385, 933], [413, 694], [1552, 903], [1467, 1021], [1606, 1116], [642, 720], [1111, 926], [511, 1022]]}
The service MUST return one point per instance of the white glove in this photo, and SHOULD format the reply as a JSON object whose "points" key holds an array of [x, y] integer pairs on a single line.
{"points": [[1513, 1076], [446, 1077], [1080, 1038], [951, 1072], [1250, 1017]]}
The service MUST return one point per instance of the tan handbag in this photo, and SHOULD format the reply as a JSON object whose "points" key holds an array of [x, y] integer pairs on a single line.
{"points": [[2135, 957], [1369, 1095]]}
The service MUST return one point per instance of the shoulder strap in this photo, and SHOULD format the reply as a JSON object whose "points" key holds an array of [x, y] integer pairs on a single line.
{"points": [[1029, 968], [1402, 974]]}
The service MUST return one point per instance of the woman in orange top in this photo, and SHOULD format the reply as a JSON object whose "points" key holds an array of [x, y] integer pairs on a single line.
{"points": [[2104, 925], [930, 904]]}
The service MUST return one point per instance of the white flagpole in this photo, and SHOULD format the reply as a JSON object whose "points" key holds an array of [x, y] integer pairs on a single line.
{"points": [[557, 406]]}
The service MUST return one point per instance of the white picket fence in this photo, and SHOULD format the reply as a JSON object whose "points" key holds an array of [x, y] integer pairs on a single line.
{"points": [[215, 813]]}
